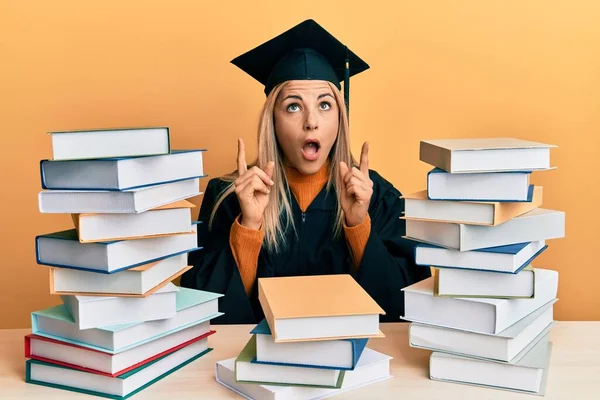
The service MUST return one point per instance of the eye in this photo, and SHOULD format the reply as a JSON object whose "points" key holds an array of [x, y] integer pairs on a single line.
{"points": [[325, 105], [294, 107]]}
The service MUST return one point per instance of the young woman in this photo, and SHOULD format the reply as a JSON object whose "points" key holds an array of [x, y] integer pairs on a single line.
{"points": [[304, 207]]}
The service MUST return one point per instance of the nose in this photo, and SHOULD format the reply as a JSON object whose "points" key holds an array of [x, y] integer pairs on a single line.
{"points": [[310, 124]]}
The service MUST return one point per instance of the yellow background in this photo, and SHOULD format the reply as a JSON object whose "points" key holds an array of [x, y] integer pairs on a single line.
{"points": [[439, 69]]}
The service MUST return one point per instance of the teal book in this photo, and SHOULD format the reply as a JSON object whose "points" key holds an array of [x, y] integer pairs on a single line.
{"points": [[119, 387]]}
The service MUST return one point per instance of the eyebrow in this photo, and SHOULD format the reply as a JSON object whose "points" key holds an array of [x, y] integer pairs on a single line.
{"points": [[295, 96]]}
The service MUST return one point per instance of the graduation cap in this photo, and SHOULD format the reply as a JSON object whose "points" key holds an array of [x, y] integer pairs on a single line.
{"points": [[305, 52]]}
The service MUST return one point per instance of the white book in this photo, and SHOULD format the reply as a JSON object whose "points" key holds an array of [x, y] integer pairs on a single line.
{"points": [[169, 219], [480, 315], [126, 201], [121, 173], [372, 367], [467, 283], [485, 154], [504, 259], [118, 387], [138, 281], [97, 311], [102, 143], [44, 349], [528, 375], [193, 307], [490, 186], [504, 346], [538, 224], [63, 249]]}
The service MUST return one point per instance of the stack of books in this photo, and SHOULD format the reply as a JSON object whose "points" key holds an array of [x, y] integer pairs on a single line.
{"points": [[312, 342], [486, 313], [122, 324]]}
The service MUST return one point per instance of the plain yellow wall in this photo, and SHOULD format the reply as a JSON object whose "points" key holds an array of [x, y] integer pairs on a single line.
{"points": [[439, 69]]}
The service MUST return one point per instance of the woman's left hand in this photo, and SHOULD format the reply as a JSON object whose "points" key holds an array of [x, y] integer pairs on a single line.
{"points": [[357, 189]]}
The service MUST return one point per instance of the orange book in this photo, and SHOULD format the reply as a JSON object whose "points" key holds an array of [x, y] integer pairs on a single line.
{"points": [[320, 307]]}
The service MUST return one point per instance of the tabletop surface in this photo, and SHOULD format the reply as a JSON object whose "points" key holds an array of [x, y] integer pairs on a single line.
{"points": [[574, 369]]}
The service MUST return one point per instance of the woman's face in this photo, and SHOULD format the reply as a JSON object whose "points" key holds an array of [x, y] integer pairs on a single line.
{"points": [[306, 124]]}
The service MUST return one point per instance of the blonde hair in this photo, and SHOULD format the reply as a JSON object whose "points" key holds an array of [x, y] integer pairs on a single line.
{"points": [[278, 214]]}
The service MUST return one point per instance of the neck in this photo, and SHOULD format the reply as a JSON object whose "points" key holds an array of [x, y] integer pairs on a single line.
{"points": [[306, 187]]}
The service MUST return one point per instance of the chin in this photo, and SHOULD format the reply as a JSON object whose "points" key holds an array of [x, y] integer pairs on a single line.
{"points": [[310, 168]]}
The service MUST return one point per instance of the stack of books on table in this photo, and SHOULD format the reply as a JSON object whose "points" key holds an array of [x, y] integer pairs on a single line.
{"points": [[486, 313], [122, 324], [312, 342]]}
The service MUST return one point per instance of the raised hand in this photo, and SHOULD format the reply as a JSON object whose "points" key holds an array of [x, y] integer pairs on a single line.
{"points": [[357, 189], [252, 189]]}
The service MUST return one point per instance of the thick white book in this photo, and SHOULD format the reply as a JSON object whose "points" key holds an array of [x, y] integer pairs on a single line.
{"points": [[102, 143], [490, 186], [125, 201], [121, 173], [372, 367], [193, 307], [504, 346], [538, 224], [527, 375], [485, 154], [139, 281], [419, 207], [78, 357], [480, 315], [505, 259], [467, 283], [63, 249], [169, 219], [98, 311]]}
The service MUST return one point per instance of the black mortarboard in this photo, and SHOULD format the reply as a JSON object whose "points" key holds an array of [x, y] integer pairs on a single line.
{"points": [[304, 52]]}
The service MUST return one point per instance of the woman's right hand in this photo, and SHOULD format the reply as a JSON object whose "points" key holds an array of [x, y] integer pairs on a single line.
{"points": [[252, 188]]}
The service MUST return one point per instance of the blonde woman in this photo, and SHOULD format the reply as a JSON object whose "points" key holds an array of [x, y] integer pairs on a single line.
{"points": [[305, 206]]}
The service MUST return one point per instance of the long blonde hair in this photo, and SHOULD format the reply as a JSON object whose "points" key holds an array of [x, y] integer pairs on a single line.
{"points": [[278, 214]]}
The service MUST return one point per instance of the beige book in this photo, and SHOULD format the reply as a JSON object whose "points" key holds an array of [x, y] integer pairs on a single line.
{"points": [[419, 207], [320, 307]]}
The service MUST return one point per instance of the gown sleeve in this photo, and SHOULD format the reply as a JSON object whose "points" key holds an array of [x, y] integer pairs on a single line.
{"points": [[213, 267], [387, 264]]}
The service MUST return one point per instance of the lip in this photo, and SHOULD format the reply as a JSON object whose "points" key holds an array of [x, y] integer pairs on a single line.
{"points": [[311, 157]]}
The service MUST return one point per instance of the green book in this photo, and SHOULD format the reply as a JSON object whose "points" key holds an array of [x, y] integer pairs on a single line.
{"points": [[247, 370]]}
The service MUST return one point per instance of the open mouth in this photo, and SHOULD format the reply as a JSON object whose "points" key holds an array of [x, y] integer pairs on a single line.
{"points": [[310, 149]]}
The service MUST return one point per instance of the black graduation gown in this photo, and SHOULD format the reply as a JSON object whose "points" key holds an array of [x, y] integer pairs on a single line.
{"points": [[386, 267]]}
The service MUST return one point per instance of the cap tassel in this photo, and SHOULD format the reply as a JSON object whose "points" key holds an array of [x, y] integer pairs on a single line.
{"points": [[347, 85]]}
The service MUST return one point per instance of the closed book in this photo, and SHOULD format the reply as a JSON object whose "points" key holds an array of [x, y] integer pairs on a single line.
{"points": [[78, 357], [372, 367], [63, 249], [268, 374], [96, 311], [109, 202], [484, 186], [119, 387], [508, 259], [194, 307], [419, 207], [171, 219], [480, 315], [321, 307], [538, 224], [527, 375], [102, 143], [504, 346], [465, 283], [337, 354], [485, 154], [121, 173]]}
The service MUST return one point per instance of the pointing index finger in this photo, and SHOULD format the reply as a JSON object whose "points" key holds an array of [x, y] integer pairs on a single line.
{"points": [[241, 157], [364, 159]]}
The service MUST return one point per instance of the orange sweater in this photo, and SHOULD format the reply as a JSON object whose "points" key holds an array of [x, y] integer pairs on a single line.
{"points": [[246, 243]]}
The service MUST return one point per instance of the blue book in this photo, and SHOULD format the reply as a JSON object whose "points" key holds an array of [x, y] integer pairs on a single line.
{"points": [[193, 307], [122, 173], [327, 354], [509, 259], [63, 249]]}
